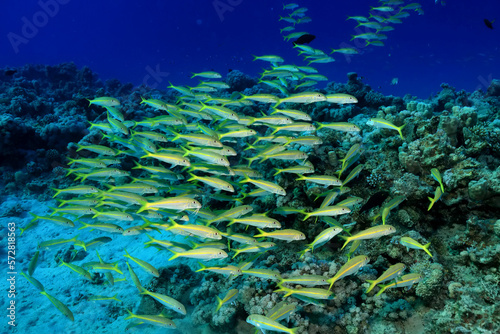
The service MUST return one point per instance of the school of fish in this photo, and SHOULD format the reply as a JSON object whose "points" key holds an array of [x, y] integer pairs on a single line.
{"points": [[204, 148]]}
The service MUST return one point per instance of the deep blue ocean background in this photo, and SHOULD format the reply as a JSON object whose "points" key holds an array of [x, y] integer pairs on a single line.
{"points": [[129, 40]]}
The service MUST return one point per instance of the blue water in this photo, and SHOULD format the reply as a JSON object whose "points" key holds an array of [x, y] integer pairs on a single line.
{"points": [[155, 42], [152, 43]]}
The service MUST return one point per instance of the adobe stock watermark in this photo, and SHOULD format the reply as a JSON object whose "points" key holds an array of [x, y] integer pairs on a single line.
{"points": [[30, 28], [223, 6], [154, 77], [484, 82]]}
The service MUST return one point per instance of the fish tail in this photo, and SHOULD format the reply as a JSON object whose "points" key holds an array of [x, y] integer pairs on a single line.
{"points": [[193, 177], [142, 208], [186, 151], [117, 269], [432, 203], [151, 239], [219, 304], [426, 249], [250, 146], [176, 135], [245, 180], [85, 225], [331, 284], [54, 211], [383, 287], [278, 171], [58, 191], [261, 233], [303, 252], [130, 314], [287, 290], [35, 217], [372, 285], [173, 224], [301, 177], [347, 240], [143, 100], [399, 130], [202, 267], [307, 215], [236, 252], [175, 256], [90, 102]]}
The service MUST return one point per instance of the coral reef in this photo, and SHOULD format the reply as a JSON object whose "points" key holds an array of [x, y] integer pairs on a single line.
{"points": [[44, 113]]}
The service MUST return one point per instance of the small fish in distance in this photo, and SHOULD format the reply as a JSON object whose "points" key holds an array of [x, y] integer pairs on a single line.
{"points": [[304, 39], [489, 23]]}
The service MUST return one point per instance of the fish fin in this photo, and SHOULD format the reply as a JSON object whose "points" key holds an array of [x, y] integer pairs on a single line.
{"points": [[383, 287], [426, 249], [431, 204], [373, 283], [203, 267], [219, 304], [331, 283], [176, 254], [399, 130]]}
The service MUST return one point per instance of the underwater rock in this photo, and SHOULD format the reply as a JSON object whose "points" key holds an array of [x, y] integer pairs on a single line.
{"points": [[431, 285], [487, 189], [494, 88], [496, 228], [426, 153], [239, 81], [450, 126]]}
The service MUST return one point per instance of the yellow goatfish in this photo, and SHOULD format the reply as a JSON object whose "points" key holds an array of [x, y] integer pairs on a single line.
{"points": [[157, 320], [264, 323], [413, 244], [406, 280], [231, 295], [351, 267], [382, 123], [437, 176], [370, 233], [393, 272], [437, 196], [104, 101], [60, 306]]}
